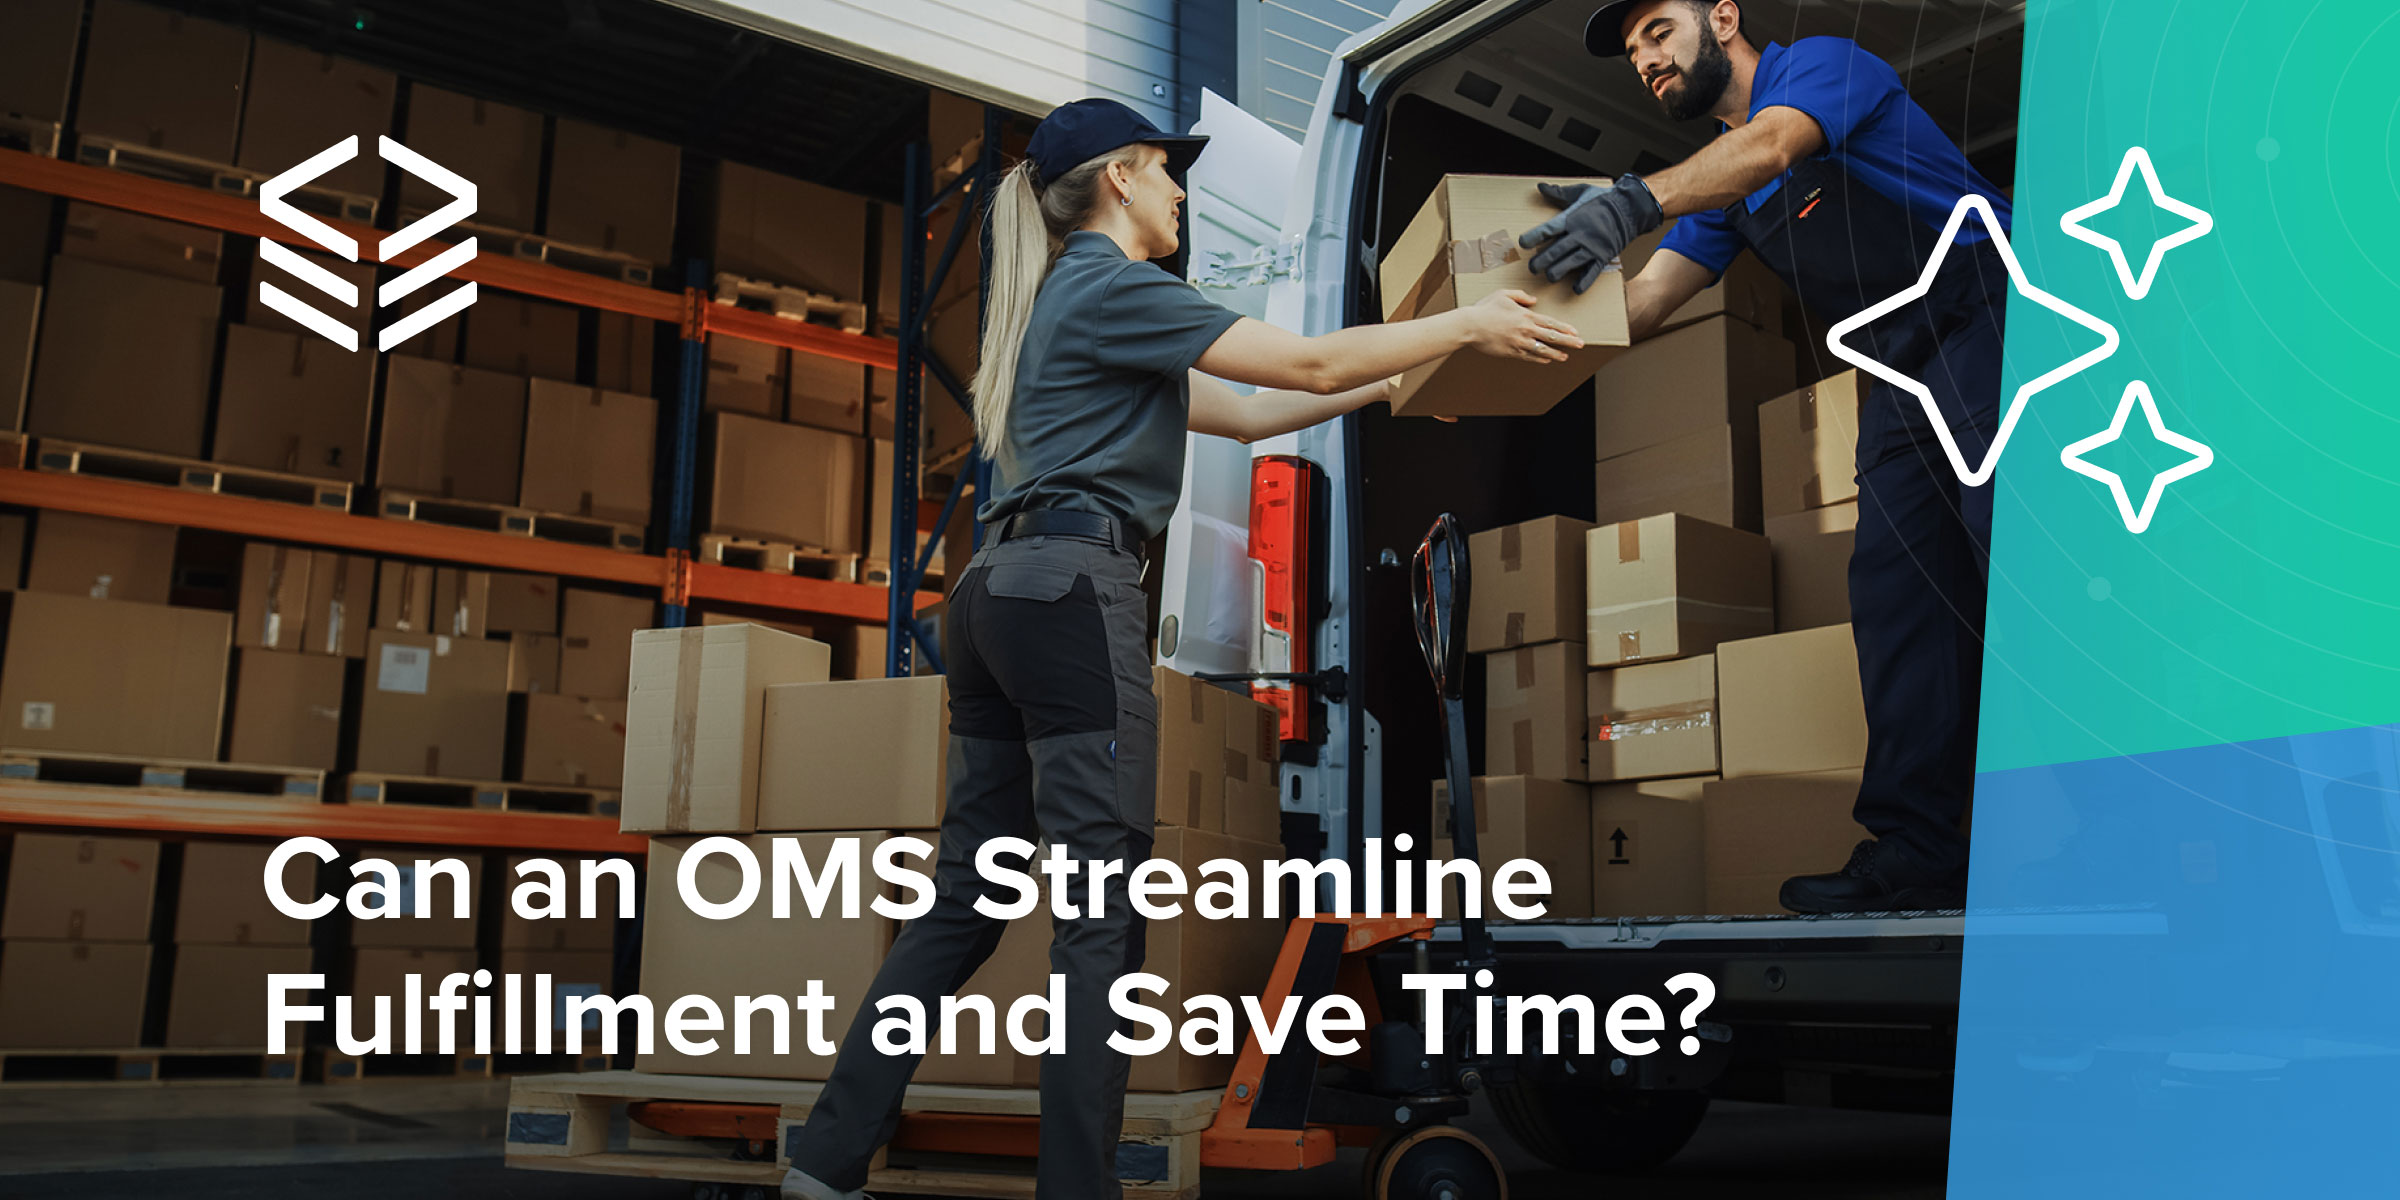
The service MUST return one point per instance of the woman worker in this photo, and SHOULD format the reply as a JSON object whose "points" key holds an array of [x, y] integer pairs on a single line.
{"points": [[1094, 363]]}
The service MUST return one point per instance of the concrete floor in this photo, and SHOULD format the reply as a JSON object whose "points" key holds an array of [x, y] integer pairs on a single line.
{"points": [[411, 1138]]}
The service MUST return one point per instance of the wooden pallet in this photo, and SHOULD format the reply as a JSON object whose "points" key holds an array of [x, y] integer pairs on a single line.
{"points": [[137, 159], [148, 1065], [876, 572], [29, 134], [561, 1123], [510, 519], [305, 784], [191, 475], [377, 788], [792, 303], [533, 247], [777, 558], [336, 1067]]}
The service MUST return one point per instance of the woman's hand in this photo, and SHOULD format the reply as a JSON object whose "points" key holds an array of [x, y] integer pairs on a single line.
{"points": [[1504, 325]]}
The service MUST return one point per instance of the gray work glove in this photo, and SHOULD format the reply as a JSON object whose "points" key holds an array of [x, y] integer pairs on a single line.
{"points": [[1594, 229]]}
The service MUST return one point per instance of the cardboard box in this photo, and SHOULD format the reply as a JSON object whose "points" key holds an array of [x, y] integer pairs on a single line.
{"points": [[1253, 783], [433, 706], [692, 720], [89, 384], [102, 557], [868, 752], [452, 432], [1646, 848], [459, 600], [160, 79], [89, 889], [438, 927], [360, 275], [533, 663], [745, 377], [1791, 703], [223, 900], [383, 971], [828, 394], [1670, 586], [756, 955], [93, 233], [1710, 475], [301, 101], [38, 59], [573, 974], [287, 710], [13, 528], [786, 483], [72, 995], [1548, 821], [25, 218], [1533, 711], [498, 147], [1695, 378], [595, 645], [611, 190], [623, 351], [20, 318], [1758, 832], [113, 677], [777, 228], [413, 597], [294, 403], [521, 603], [1812, 565], [573, 931], [575, 741], [219, 996], [1746, 290], [1199, 956], [859, 651], [521, 337], [313, 601], [1652, 720], [1808, 446], [588, 452], [1191, 749], [1528, 584], [1462, 247], [1019, 967]]}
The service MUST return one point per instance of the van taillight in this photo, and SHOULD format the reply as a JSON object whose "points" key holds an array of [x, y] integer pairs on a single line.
{"points": [[1282, 507]]}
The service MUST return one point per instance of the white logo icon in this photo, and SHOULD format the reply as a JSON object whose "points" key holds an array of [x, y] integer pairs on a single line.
{"points": [[271, 204], [2137, 286], [2137, 520]]}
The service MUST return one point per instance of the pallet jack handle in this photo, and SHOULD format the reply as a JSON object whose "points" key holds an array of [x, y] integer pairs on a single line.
{"points": [[1439, 587]]}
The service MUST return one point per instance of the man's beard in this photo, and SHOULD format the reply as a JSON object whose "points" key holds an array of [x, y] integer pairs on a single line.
{"points": [[1702, 86]]}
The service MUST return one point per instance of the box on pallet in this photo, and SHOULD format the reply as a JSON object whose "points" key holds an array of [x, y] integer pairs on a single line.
{"points": [[1669, 586], [574, 740], [745, 377], [72, 995], [87, 388], [162, 80], [1461, 247], [692, 720], [287, 710], [1695, 378], [521, 603], [1650, 720], [1547, 821], [830, 394], [301, 101], [222, 899], [1746, 290], [438, 926], [1791, 703], [1528, 584], [433, 705], [533, 662], [785, 483], [1646, 853], [113, 677], [623, 349], [1707, 474], [38, 60], [314, 601], [1812, 565], [218, 997], [777, 228], [498, 147], [1533, 711], [595, 641], [293, 403], [413, 597], [450, 431], [71, 888], [94, 233], [611, 190], [1808, 446], [588, 452], [1758, 832], [519, 336], [102, 557], [868, 752], [1191, 748]]}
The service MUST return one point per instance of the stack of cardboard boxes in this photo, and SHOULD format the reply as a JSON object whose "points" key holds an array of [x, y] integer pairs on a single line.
{"points": [[75, 941], [736, 730], [402, 940], [1808, 490], [228, 939]]}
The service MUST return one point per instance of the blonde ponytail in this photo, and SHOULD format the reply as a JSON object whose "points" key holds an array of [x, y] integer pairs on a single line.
{"points": [[1029, 225]]}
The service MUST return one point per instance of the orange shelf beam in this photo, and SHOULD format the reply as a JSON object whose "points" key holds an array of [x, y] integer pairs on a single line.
{"points": [[734, 585], [293, 522], [240, 215], [85, 807], [864, 349]]}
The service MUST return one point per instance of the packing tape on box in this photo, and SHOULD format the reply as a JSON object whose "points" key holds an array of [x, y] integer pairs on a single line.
{"points": [[1629, 541], [1740, 618], [1512, 547], [680, 741], [1466, 256], [1663, 718], [1512, 629], [1527, 673], [1237, 765]]}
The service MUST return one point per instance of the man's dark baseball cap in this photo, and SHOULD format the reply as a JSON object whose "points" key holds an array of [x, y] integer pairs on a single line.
{"points": [[1074, 134], [1604, 34]]}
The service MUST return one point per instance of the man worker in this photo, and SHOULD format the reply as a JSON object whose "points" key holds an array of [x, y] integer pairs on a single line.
{"points": [[1841, 184]]}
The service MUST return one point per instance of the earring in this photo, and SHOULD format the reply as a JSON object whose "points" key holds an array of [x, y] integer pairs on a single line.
{"points": [[1126, 201]]}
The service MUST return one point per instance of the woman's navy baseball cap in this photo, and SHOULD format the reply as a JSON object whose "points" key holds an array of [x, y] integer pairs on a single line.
{"points": [[1074, 134]]}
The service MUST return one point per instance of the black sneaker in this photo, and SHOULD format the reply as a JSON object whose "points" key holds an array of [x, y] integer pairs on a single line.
{"points": [[1878, 878]]}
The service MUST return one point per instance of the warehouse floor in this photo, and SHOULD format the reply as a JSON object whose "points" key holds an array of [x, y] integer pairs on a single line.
{"points": [[412, 1138]]}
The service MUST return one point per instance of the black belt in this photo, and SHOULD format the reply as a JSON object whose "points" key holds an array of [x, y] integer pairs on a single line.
{"points": [[1082, 526]]}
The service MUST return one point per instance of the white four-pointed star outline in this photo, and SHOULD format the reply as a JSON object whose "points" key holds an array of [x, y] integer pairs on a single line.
{"points": [[2137, 286], [1972, 476], [2137, 520]]}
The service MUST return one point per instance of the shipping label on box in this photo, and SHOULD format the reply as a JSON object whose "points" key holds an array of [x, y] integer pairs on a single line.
{"points": [[1791, 703], [1670, 586], [1808, 446], [1647, 859], [1528, 584], [1650, 720], [114, 677], [434, 706]]}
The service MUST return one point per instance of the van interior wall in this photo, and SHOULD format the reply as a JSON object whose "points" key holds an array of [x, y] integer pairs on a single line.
{"points": [[1486, 471]]}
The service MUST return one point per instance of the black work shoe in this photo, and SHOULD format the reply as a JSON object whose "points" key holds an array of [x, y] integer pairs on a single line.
{"points": [[1878, 878]]}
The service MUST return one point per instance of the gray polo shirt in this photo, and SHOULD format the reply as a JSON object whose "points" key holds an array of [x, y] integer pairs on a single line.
{"points": [[1103, 396]]}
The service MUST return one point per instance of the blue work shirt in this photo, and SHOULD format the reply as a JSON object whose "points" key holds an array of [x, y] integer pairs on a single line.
{"points": [[1873, 130]]}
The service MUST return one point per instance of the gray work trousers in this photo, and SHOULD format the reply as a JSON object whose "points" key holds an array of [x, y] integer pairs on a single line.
{"points": [[1053, 734]]}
